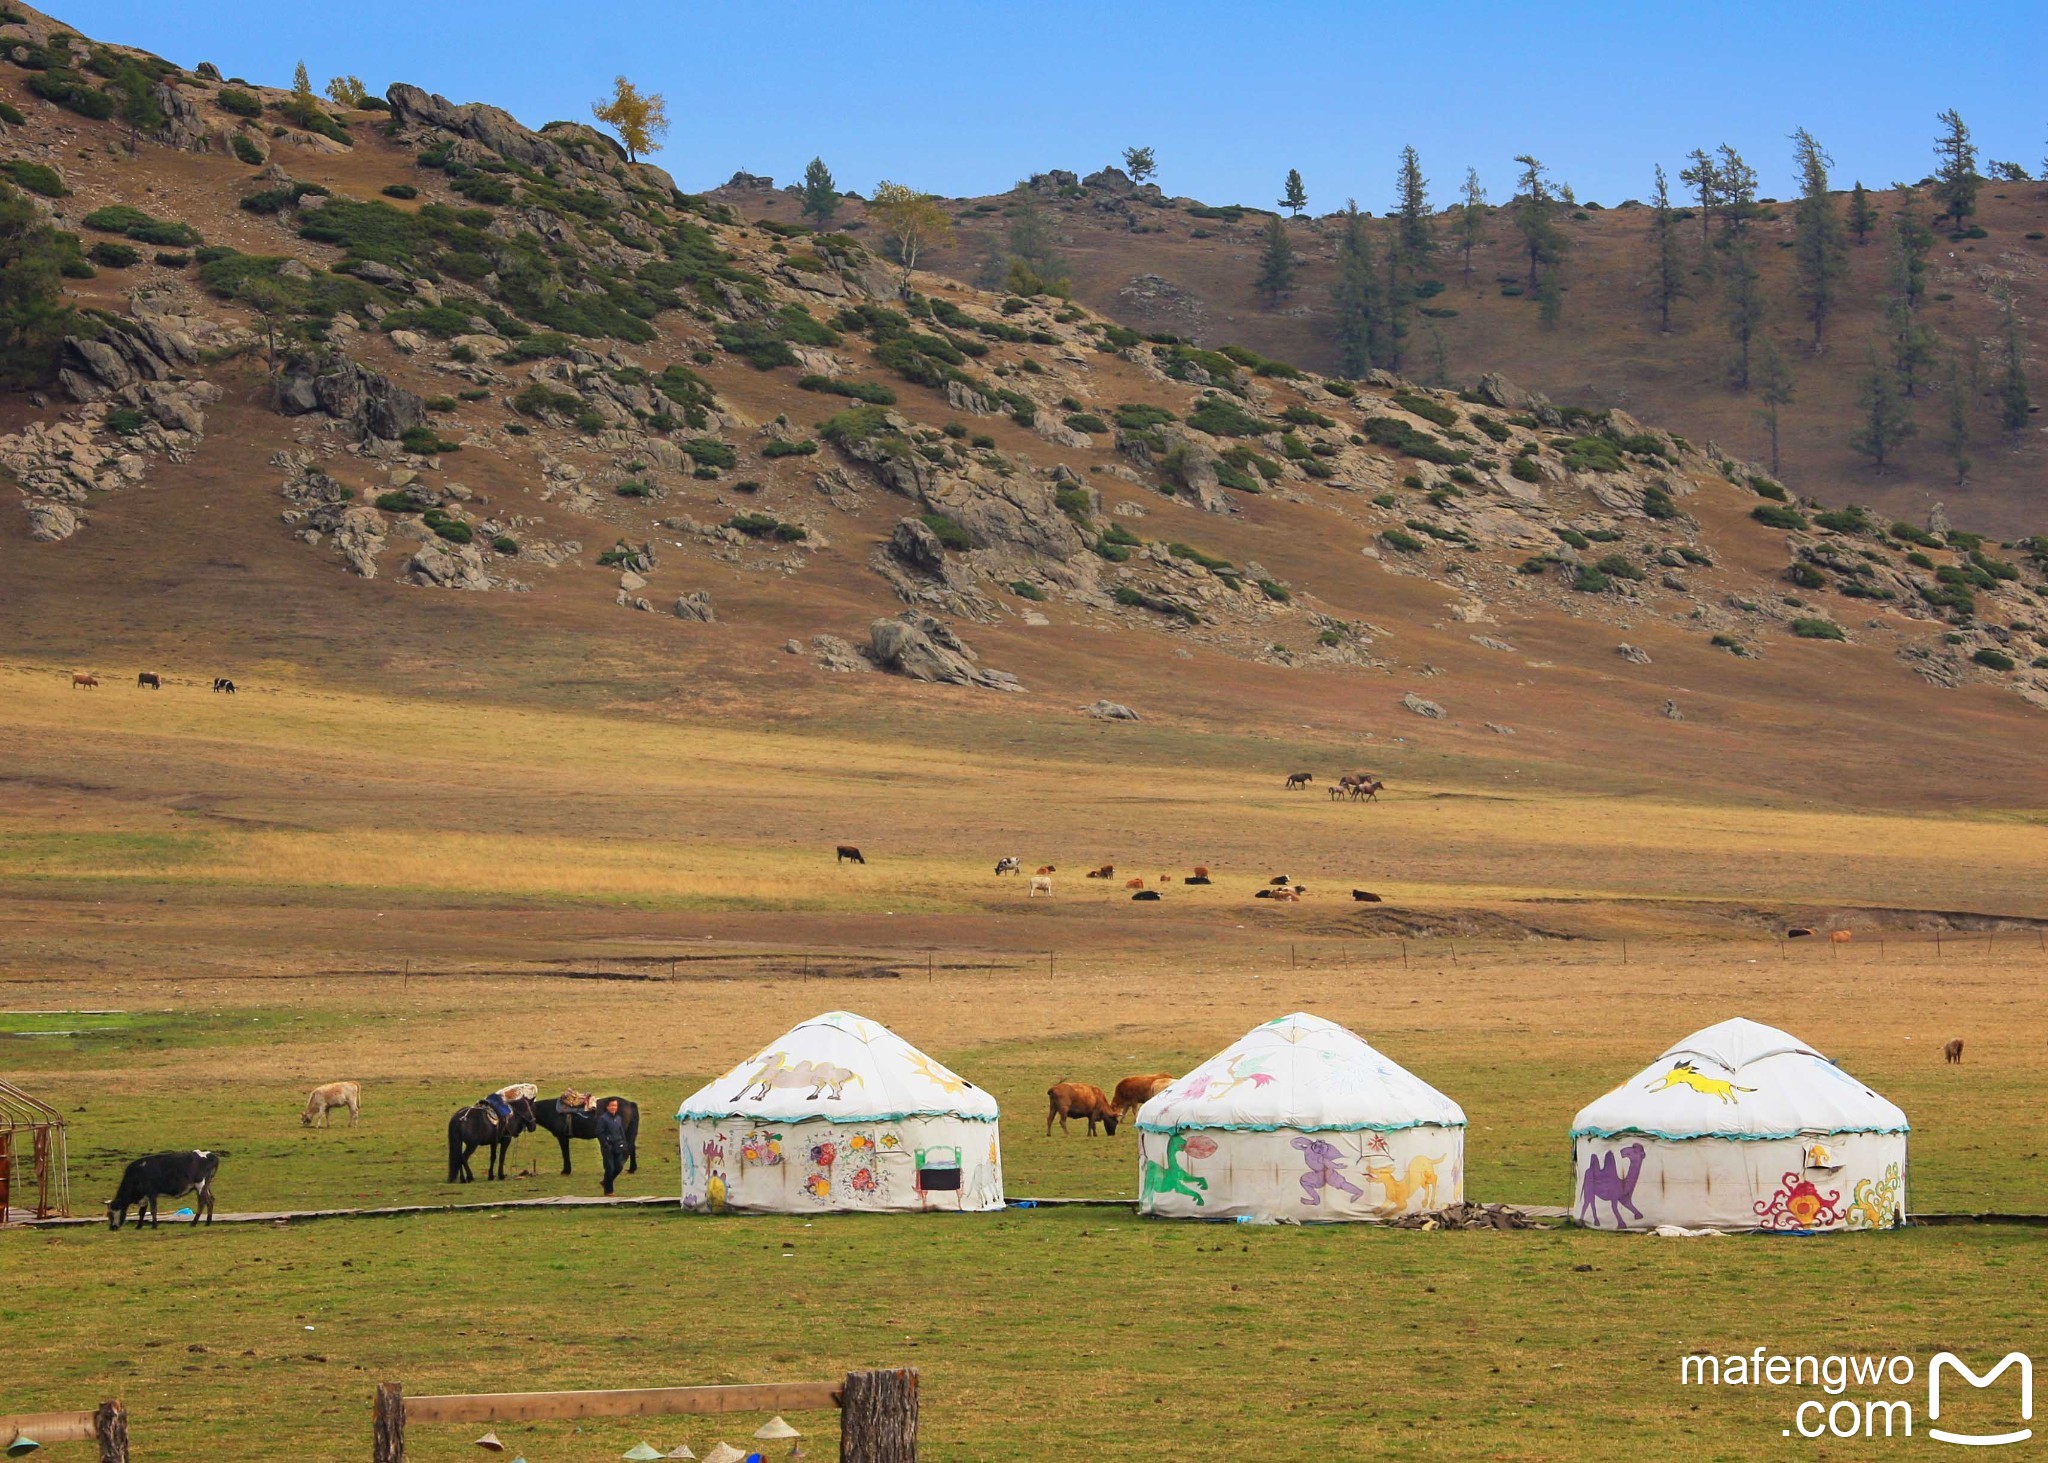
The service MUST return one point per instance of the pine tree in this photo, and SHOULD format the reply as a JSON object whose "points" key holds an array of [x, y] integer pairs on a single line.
{"points": [[1667, 280], [821, 193], [1139, 163], [1396, 298], [2015, 400], [34, 314], [1737, 182], [1295, 196], [1885, 422], [1036, 266], [1912, 340], [1471, 219], [1355, 299], [1276, 263], [1745, 305], [1414, 238], [1705, 181], [1536, 218], [1955, 180], [1774, 389], [1862, 213], [1550, 297], [1957, 437], [1820, 257]]}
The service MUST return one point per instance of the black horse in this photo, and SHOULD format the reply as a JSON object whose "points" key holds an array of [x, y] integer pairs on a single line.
{"points": [[567, 1123], [479, 1126]]}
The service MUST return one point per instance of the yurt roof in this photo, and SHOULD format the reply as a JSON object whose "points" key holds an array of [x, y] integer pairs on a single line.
{"points": [[860, 1071], [1743, 1080], [1299, 1071]]}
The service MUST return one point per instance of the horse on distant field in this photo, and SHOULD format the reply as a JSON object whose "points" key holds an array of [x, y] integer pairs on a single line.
{"points": [[480, 1126]]}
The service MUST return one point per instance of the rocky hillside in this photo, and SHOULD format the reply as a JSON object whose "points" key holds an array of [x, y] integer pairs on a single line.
{"points": [[1169, 264], [471, 358]]}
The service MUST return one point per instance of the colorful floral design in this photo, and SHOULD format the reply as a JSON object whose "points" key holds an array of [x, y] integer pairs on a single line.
{"points": [[824, 1154], [891, 1142], [860, 1143], [762, 1148], [1799, 1205], [864, 1181], [819, 1186], [1876, 1206]]}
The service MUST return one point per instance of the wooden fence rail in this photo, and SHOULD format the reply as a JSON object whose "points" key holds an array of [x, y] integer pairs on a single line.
{"points": [[106, 1425], [878, 1422]]}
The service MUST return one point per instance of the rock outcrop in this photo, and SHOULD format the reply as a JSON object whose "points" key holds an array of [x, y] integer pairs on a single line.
{"points": [[926, 649], [369, 404]]}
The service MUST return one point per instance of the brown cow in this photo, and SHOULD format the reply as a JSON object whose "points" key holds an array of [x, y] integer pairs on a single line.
{"points": [[1201, 871], [1107, 871], [1134, 883], [1953, 1052], [848, 851], [1839, 937], [1365, 896], [1134, 1092], [1079, 1100], [1043, 869], [83, 678]]}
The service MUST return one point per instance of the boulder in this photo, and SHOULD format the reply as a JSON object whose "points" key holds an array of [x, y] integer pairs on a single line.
{"points": [[1672, 712], [50, 522], [372, 404], [488, 126], [913, 543], [696, 605], [446, 566], [925, 649], [1420, 707], [1109, 180], [1633, 654], [836, 655], [1111, 710]]}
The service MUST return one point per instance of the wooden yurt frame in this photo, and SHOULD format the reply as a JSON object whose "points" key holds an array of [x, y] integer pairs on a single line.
{"points": [[31, 1131]]}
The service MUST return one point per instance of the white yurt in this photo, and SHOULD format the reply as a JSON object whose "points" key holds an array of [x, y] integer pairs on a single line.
{"points": [[840, 1112], [1740, 1126], [1299, 1121]]}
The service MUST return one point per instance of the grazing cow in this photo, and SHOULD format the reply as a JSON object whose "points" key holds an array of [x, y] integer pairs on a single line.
{"points": [[848, 851], [1040, 884], [1196, 879], [222, 683], [1079, 1100], [1148, 896], [332, 1095], [1299, 780], [149, 679], [85, 679], [1953, 1052], [1134, 883], [1009, 865], [1134, 1092], [1201, 871], [165, 1176], [1799, 932], [1839, 937], [1046, 869], [1278, 881], [1365, 896], [1107, 871]]}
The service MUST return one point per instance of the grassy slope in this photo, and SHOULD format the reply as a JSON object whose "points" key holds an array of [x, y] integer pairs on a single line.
{"points": [[1608, 350]]}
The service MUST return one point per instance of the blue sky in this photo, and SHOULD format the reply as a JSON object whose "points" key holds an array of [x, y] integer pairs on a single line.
{"points": [[967, 98]]}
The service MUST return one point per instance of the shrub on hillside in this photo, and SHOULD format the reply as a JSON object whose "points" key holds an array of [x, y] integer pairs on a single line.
{"points": [[779, 448], [1810, 629], [1773, 515], [1996, 660], [241, 103], [112, 256], [34, 177]]}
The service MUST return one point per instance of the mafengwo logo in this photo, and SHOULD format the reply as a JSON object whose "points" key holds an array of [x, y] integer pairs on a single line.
{"points": [[1846, 1408]]}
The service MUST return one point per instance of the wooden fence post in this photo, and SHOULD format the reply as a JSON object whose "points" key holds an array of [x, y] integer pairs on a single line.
{"points": [[387, 1424], [110, 1427], [878, 1417]]}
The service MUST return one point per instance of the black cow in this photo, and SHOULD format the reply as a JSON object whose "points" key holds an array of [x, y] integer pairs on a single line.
{"points": [[222, 683], [165, 1176], [566, 1123]]}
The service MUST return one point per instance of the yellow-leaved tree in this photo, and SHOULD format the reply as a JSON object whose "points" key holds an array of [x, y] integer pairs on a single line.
{"points": [[914, 220], [640, 118]]}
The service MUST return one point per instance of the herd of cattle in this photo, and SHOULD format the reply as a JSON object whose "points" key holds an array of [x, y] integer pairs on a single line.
{"points": [[1280, 887], [1090, 1103], [144, 681]]}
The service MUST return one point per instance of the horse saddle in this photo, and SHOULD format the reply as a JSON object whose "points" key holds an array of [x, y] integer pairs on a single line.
{"points": [[575, 1101]]}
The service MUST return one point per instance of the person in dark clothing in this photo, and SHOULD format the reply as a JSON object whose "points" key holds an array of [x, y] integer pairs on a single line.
{"points": [[611, 1141]]}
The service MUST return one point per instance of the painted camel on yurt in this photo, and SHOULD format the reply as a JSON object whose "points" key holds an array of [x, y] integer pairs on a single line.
{"points": [[1419, 1179], [1603, 1184], [775, 1070]]}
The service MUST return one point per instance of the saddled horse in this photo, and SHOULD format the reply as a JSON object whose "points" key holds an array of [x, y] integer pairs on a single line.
{"points": [[567, 1122], [479, 1126]]}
